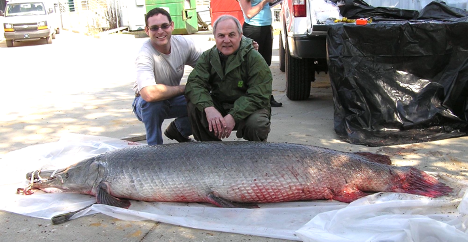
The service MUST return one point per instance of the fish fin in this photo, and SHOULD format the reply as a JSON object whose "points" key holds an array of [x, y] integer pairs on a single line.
{"points": [[103, 197], [221, 202], [418, 182], [377, 158], [349, 194], [65, 217]]}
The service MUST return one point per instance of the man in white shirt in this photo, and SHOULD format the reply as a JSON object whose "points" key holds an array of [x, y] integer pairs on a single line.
{"points": [[160, 68]]}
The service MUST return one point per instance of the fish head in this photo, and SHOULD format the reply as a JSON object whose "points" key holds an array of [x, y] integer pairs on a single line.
{"points": [[81, 178]]}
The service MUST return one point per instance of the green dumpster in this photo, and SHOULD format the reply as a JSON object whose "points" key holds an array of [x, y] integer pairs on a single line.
{"points": [[183, 13]]}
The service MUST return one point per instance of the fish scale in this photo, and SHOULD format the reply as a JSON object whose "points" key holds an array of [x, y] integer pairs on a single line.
{"points": [[223, 173]]}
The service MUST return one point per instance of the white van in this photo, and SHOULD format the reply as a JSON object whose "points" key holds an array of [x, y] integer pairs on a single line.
{"points": [[30, 20]]}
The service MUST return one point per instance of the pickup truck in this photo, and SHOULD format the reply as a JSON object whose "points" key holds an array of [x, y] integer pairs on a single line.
{"points": [[303, 35], [30, 20]]}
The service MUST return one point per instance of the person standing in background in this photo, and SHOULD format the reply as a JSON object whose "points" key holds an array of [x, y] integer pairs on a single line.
{"points": [[257, 26]]}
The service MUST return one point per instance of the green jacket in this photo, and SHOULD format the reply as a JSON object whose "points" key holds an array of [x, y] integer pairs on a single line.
{"points": [[245, 82]]}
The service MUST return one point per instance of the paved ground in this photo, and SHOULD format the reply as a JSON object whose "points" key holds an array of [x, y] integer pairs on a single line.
{"points": [[83, 85]]}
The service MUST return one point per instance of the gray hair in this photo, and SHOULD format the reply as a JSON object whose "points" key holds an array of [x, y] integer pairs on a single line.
{"points": [[226, 17]]}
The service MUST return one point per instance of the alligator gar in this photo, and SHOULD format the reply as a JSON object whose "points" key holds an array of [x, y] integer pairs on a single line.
{"points": [[228, 173]]}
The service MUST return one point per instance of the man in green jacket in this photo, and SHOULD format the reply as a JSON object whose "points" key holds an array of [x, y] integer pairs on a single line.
{"points": [[230, 88]]}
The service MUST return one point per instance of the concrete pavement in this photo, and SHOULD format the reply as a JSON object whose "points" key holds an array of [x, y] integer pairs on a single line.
{"points": [[89, 92]]}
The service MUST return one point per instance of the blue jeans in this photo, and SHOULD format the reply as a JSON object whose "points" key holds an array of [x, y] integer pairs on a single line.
{"points": [[152, 114]]}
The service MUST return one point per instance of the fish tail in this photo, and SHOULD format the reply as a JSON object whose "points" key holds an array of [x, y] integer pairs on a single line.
{"points": [[418, 182]]}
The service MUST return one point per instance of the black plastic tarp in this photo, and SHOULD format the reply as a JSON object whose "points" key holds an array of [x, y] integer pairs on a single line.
{"points": [[354, 9], [439, 10], [360, 9], [398, 82]]}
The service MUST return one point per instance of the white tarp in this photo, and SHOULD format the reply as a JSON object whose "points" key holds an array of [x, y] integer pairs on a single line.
{"points": [[379, 217]]}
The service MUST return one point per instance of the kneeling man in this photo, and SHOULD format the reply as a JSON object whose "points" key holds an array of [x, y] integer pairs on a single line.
{"points": [[230, 88]]}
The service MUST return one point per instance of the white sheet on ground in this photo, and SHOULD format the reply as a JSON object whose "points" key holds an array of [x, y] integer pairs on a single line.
{"points": [[378, 217]]}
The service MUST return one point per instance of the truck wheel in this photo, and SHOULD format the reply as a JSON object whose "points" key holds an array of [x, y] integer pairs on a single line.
{"points": [[281, 53], [9, 43], [48, 40], [299, 75]]}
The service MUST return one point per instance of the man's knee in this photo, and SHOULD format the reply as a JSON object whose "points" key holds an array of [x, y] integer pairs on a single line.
{"points": [[191, 108], [152, 110], [259, 119], [256, 126]]}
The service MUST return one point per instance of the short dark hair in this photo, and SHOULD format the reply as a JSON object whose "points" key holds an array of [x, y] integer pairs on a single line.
{"points": [[156, 11]]}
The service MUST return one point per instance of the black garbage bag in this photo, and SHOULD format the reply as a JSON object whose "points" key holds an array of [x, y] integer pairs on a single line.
{"points": [[439, 10], [354, 9], [399, 82]]}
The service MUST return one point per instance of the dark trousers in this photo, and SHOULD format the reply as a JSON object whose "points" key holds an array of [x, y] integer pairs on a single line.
{"points": [[264, 37], [256, 127]]}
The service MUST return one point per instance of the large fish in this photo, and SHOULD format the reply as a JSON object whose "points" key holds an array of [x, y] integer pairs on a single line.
{"points": [[226, 173]]}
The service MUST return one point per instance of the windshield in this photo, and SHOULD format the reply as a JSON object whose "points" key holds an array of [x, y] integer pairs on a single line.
{"points": [[17, 9]]}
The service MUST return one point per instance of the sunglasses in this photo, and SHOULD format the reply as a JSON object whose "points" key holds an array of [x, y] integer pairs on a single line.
{"points": [[163, 26]]}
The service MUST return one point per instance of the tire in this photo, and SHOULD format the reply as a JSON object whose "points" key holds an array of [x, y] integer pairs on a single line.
{"points": [[53, 35], [48, 40], [9, 43], [281, 53], [299, 75], [57, 31]]}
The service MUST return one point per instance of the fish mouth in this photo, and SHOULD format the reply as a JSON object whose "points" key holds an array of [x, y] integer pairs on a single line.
{"points": [[40, 179]]}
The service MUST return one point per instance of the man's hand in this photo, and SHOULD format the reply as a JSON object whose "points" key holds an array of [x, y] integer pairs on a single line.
{"points": [[216, 122], [230, 124], [221, 126], [255, 45]]}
